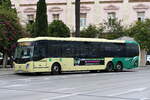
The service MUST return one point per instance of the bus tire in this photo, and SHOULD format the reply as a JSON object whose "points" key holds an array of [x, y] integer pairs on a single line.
{"points": [[56, 69], [119, 67], [109, 67]]}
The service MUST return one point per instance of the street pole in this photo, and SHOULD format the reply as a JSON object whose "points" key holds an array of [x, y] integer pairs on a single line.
{"points": [[77, 18]]}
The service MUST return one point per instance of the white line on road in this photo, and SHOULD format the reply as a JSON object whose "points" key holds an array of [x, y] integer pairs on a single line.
{"points": [[145, 99], [63, 89], [15, 85], [63, 96], [26, 80], [129, 91]]}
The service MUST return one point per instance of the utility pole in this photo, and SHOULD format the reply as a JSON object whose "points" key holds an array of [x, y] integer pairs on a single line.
{"points": [[77, 18]]}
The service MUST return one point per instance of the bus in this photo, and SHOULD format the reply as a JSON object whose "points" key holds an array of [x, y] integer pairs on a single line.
{"points": [[56, 55]]}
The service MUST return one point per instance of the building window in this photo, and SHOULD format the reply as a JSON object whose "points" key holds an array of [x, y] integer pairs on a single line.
{"points": [[111, 18], [83, 19], [140, 16], [30, 18], [55, 16]]}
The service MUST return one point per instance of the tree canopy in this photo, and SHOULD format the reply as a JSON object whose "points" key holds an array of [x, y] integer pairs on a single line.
{"points": [[58, 29], [10, 30], [140, 31], [41, 23]]}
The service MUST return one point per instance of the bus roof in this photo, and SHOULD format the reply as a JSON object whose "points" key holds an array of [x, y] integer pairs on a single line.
{"points": [[71, 39]]}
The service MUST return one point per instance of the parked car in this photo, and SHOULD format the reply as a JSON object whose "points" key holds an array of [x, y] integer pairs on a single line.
{"points": [[148, 60]]}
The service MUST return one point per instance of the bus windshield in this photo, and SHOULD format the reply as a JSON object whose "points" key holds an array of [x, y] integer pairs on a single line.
{"points": [[24, 52]]}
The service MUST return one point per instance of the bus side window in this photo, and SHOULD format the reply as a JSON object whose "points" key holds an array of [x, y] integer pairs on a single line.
{"points": [[39, 52], [109, 50], [132, 50], [67, 50], [42, 52], [119, 50], [93, 50], [54, 51]]}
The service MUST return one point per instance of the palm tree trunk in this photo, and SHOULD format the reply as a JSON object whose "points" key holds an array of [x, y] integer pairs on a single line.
{"points": [[77, 16]]}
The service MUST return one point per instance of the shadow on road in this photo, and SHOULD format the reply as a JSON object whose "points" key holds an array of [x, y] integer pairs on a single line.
{"points": [[70, 73]]}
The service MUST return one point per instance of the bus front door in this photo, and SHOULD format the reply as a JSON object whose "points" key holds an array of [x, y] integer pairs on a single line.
{"points": [[40, 60], [40, 63]]}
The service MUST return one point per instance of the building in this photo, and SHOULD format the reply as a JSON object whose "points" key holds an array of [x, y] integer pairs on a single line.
{"points": [[92, 11]]}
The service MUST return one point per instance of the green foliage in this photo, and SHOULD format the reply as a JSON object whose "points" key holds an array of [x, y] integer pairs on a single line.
{"points": [[141, 33], [30, 28], [10, 30], [58, 29], [41, 24], [114, 29], [90, 32], [6, 4]]}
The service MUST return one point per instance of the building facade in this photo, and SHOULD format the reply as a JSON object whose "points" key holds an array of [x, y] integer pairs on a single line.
{"points": [[91, 11]]}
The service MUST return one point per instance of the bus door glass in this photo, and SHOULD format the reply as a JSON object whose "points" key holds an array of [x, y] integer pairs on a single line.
{"points": [[39, 57]]}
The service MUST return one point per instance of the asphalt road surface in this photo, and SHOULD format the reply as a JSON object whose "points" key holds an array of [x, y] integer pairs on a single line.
{"points": [[128, 85]]}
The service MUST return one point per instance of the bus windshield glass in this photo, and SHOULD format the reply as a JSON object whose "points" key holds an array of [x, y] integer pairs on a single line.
{"points": [[24, 52]]}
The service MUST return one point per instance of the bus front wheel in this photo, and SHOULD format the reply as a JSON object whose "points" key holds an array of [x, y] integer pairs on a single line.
{"points": [[56, 69], [110, 67], [119, 67]]}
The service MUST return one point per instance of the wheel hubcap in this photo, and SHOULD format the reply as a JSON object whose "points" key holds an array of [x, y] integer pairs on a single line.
{"points": [[118, 66], [56, 68]]}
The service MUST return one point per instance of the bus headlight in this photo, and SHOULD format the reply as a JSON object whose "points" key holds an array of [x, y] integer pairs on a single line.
{"points": [[27, 66]]}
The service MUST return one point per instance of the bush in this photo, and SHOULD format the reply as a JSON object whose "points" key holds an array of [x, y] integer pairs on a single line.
{"points": [[58, 29], [90, 32]]}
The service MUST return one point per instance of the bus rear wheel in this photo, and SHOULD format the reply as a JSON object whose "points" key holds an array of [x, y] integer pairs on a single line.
{"points": [[110, 67], [119, 67], [56, 69]]}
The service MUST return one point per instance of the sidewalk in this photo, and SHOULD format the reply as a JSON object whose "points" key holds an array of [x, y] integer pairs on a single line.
{"points": [[6, 71]]}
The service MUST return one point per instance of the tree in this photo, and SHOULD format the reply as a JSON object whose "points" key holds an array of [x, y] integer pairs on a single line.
{"points": [[140, 31], [10, 29], [113, 29], [6, 4], [90, 32], [41, 24], [10, 32], [30, 28], [58, 29]]}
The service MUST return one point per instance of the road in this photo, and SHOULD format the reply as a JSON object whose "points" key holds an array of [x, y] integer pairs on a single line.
{"points": [[128, 85]]}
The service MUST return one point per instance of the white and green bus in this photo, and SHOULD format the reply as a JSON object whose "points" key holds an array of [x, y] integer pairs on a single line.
{"points": [[56, 55]]}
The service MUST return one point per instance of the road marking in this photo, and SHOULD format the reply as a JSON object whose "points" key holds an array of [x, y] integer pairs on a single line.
{"points": [[63, 96], [145, 99], [62, 76], [64, 89], [129, 91], [47, 78], [15, 85], [26, 80]]}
